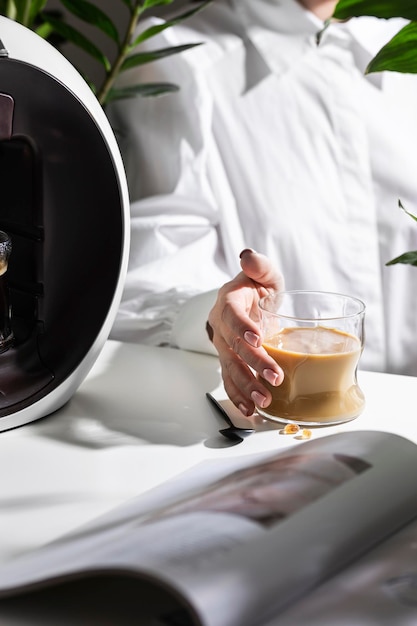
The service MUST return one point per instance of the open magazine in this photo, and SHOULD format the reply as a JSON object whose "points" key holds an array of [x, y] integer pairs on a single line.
{"points": [[243, 541]]}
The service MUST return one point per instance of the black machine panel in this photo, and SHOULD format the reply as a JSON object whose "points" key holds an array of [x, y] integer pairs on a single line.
{"points": [[60, 203]]}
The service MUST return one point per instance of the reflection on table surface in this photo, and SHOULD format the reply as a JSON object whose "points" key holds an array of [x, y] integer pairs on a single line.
{"points": [[140, 418]]}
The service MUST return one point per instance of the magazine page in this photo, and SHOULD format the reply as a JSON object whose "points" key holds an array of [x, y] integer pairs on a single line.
{"points": [[241, 540], [322, 534], [379, 589]]}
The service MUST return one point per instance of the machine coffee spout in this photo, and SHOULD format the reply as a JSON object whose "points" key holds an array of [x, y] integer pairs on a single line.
{"points": [[6, 332]]}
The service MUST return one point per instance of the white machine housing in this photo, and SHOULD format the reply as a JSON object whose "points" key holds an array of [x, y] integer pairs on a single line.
{"points": [[64, 202]]}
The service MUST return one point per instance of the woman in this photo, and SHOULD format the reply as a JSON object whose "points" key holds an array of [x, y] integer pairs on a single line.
{"points": [[280, 145]]}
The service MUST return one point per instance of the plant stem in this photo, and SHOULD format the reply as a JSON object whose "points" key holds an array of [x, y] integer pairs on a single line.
{"points": [[26, 14], [11, 10], [121, 55]]}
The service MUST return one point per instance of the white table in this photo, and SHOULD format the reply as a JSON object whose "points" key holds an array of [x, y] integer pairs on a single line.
{"points": [[139, 418]]}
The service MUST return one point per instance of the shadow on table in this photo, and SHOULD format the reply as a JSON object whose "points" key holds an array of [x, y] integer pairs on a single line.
{"points": [[111, 599], [141, 395]]}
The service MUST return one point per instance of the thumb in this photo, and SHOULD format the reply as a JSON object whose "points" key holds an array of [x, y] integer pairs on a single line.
{"points": [[261, 270]]}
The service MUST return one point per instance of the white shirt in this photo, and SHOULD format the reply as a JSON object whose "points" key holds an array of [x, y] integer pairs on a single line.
{"points": [[279, 144]]}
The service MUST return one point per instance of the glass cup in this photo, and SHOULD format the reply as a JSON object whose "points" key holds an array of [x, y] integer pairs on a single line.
{"points": [[317, 339]]}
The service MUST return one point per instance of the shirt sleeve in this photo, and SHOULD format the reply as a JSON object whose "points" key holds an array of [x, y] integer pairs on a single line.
{"points": [[177, 246]]}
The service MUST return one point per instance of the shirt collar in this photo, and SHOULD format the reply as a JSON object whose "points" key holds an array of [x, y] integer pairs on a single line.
{"points": [[295, 29], [292, 29], [280, 16], [365, 37], [371, 33]]}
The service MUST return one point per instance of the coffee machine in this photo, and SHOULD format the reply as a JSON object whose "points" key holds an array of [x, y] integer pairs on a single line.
{"points": [[64, 204]]}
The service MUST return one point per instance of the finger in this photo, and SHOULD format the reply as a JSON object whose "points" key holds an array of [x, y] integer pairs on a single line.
{"points": [[242, 336], [245, 391], [230, 317], [260, 269], [236, 323]]}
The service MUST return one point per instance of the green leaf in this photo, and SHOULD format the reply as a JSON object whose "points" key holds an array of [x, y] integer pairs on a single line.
{"points": [[157, 28], [8, 9], [408, 258], [153, 3], [44, 30], [144, 89], [20, 9], [414, 217], [154, 55], [377, 8], [24, 11], [36, 7], [399, 54], [71, 34], [91, 14]]}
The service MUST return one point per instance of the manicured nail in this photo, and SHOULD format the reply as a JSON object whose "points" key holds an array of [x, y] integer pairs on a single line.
{"points": [[271, 376], [258, 398], [243, 409], [252, 339], [251, 250]]}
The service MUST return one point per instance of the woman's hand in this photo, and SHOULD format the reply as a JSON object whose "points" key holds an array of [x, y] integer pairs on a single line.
{"points": [[233, 324]]}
